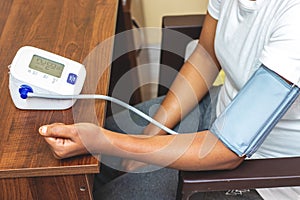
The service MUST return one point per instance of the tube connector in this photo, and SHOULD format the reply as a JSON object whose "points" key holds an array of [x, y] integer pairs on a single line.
{"points": [[24, 90]]}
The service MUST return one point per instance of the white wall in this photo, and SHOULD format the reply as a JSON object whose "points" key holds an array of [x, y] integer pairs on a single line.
{"points": [[149, 13]]}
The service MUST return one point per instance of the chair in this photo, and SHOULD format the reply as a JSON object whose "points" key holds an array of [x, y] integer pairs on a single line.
{"points": [[124, 63], [262, 173], [173, 53]]}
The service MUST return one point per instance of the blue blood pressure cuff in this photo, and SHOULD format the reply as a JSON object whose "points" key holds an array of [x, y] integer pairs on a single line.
{"points": [[250, 117]]}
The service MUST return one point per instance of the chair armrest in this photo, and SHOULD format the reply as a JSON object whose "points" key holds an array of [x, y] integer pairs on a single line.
{"points": [[260, 173], [177, 32]]}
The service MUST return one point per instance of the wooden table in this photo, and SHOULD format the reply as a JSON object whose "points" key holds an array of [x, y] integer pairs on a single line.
{"points": [[71, 28]]}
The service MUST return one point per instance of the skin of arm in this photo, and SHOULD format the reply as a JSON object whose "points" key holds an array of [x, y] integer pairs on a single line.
{"points": [[175, 151], [195, 151], [191, 84]]}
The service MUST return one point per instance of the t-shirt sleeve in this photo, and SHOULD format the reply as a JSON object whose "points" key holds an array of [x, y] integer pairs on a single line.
{"points": [[214, 8], [282, 52]]}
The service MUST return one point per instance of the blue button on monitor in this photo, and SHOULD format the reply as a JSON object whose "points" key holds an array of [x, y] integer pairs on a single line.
{"points": [[72, 78]]}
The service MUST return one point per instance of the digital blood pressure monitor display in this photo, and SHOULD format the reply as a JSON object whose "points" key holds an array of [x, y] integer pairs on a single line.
{"points": [[46, 66], [44, 72]]}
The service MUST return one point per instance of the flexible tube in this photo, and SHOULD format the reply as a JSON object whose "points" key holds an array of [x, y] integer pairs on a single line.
{"points": [[106, 98]]}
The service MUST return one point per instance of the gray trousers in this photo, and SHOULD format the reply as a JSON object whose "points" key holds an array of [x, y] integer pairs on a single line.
{"points": [[152, 182]]}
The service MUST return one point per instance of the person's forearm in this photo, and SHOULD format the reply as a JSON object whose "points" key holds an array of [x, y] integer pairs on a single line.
{"points": [[195, 151], [199, 151], [186, 91], [193, 81]]}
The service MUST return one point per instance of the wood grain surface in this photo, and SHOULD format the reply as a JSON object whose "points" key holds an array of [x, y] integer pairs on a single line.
{"points": [[73, 29]]}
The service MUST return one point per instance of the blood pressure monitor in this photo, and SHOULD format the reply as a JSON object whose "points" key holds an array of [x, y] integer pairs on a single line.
{"points": [[40, 80], [38, 71]]}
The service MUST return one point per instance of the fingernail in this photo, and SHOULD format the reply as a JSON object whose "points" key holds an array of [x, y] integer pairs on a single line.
{"points": [[43, 130]]}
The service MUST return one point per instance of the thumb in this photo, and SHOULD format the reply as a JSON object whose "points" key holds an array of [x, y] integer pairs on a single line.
{"points": [[55, 130]]}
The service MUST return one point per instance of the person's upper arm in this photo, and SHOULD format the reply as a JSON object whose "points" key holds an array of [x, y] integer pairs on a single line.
{"points": [[243, 132], [263, 100], [207, 36]]}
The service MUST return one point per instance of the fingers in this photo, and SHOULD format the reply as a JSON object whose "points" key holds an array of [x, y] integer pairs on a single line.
{"points": [[61, 139], [56, 131], [69, 140]]}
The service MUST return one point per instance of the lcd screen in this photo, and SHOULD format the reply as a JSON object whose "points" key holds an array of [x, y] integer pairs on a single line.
{"points": [[46, 66]]}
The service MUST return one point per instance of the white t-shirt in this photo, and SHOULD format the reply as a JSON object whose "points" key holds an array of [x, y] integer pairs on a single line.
{"points": [[248, 34]]}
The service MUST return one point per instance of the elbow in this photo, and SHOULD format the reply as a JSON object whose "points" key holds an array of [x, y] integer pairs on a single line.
{"points": [[225, 163], [228, 164], [233, 163], [229, 161]]}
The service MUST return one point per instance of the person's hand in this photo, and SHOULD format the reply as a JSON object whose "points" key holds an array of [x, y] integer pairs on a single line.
{"points": [[71, 140], [132, 165]]}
